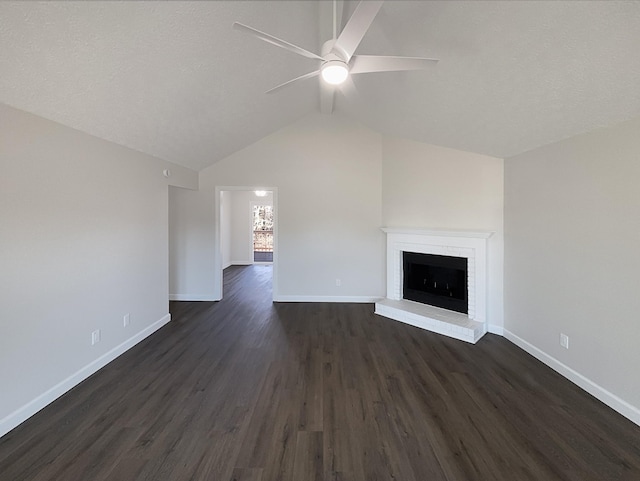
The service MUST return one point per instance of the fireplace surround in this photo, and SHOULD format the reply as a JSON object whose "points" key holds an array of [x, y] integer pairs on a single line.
{"points": [[468, 245], [439, 281]]}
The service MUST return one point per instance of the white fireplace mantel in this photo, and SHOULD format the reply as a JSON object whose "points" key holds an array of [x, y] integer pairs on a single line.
{"points": [[438, 232], [471, 245]]}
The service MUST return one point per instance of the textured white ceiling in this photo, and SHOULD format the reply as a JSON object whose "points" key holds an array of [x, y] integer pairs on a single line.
{"points": [[174, 80]]}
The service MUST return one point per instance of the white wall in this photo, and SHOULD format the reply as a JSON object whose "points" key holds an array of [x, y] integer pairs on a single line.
{"points": [[426, 186], [191, 215], [572, 231], [338, 183], [327, 171], [83, 241]]}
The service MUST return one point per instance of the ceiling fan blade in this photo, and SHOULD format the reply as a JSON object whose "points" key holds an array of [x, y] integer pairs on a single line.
{"points": [[302, 77], [327, 97], [381, 63], [276, 41], [356, 28], [341, 15]]}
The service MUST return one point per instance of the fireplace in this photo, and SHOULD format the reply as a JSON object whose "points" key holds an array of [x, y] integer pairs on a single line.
{"points": [[439, 281], [447, 291]]}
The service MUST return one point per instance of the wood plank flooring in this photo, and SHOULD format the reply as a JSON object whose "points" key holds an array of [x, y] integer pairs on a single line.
{"points": [[247, 390]]}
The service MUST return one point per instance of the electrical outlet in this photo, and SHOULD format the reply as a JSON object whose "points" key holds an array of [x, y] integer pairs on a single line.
{"points": [[338, 282], [125, 320], [564, 341], [95, 337]]}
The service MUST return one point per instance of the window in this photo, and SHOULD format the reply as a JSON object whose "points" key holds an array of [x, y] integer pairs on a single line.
{"points": [[263, 233]]}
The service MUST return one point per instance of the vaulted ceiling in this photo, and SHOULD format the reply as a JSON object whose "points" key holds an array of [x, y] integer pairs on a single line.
{"points": [[174, 80]]}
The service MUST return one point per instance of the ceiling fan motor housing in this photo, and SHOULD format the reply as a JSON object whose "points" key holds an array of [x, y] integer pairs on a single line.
{"points": [[334, 69]]}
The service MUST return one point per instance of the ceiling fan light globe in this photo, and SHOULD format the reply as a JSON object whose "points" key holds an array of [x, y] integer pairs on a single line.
{"points": [[334, 72]]}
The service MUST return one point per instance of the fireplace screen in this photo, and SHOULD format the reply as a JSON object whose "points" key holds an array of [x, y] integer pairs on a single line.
{"points": [[440, 281]]}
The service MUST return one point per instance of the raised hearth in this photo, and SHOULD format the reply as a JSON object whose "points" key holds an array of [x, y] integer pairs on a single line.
{"points": [[468, 245]]}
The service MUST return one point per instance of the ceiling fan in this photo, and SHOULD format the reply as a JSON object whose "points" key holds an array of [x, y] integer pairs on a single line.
{"points": [[337, 58]]}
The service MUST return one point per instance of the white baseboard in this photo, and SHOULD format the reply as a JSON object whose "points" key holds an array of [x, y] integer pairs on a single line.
{"points": [[22, 414], [192, 297], [495, 329], [358, 299], [614, 402], [241, 263]]}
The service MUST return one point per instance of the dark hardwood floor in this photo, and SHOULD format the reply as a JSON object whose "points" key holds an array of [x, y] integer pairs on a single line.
{"points": [[247, 390]]}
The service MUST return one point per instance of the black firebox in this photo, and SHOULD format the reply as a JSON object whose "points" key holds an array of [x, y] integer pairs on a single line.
{"points": [[440, 281]]}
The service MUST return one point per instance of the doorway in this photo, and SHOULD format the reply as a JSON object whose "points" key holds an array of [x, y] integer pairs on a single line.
{"points": [[246, 231]]}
